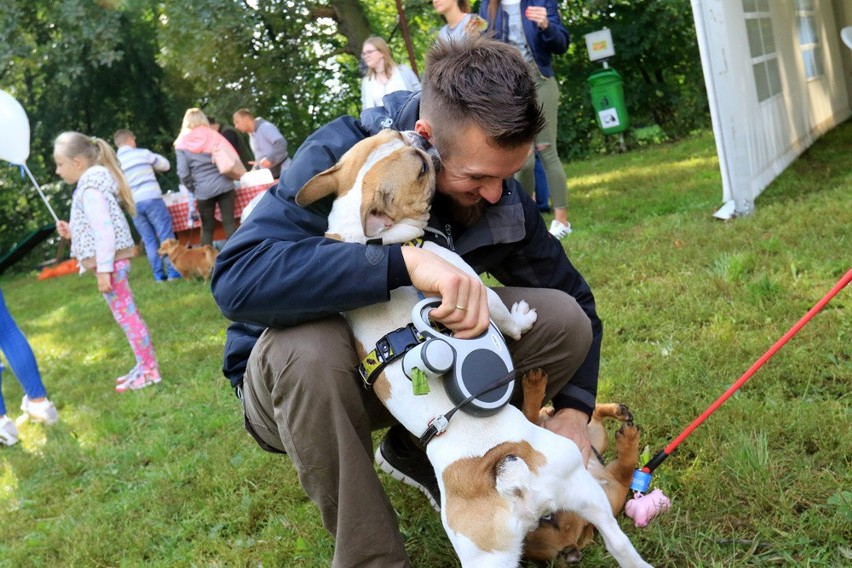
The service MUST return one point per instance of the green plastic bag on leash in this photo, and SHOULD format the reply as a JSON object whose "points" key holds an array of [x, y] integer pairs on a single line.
{"points": [[419, 382]]}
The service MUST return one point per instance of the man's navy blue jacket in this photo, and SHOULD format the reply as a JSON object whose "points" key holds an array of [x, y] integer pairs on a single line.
{"points": [[278, 269]]}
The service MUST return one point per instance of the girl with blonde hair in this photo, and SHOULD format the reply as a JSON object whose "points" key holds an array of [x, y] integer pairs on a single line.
{"points": [[101, 240], [384, 75]]}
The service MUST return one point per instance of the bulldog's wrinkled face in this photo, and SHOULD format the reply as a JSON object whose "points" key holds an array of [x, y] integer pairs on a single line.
{"points": [[383, 187]]}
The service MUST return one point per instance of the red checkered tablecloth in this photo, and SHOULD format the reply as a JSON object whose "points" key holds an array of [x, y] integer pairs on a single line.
{"points": [[179, 206]]}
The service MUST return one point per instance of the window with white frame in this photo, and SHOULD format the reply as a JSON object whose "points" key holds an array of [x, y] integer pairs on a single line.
{"points": [[761, 42], [809, 42]]}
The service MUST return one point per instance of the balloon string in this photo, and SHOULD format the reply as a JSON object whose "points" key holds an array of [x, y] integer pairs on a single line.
{"points": [[38, 188]]}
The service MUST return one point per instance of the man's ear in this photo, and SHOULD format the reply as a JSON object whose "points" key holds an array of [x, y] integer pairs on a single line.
{"points": [[423, 128]]}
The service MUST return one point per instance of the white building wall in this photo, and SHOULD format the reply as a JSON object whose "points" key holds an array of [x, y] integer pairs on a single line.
{"points": [[757, 140], [843, 18]]}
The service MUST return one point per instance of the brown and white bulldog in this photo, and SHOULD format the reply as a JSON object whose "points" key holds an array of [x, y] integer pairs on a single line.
{"points": [[499, 474], [561, 536]]}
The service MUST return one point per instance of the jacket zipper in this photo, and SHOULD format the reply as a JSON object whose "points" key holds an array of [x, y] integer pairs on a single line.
{"points": [[447, 237], [450, 244]]}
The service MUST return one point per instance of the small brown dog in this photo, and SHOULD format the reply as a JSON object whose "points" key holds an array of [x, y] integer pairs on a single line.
{"points": [[190, 262], [560, 537]]}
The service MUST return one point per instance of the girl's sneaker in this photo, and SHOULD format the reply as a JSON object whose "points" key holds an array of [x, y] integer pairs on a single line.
{"points": [[42, 411], [134, 372], [8, 432], [139, 381]]}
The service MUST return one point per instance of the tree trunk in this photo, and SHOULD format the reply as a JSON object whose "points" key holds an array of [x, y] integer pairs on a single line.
{"points": [[351, 23]]}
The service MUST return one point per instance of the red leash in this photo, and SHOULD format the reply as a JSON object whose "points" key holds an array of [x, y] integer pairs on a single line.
{"points": [[662, 455]]}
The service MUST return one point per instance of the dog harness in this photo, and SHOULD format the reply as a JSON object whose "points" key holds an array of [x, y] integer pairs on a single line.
{"points": [[388, 349], [393, 345], [466, 366]]}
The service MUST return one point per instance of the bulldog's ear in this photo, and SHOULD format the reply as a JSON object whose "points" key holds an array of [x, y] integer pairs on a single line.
{"points": [[321, 185]]}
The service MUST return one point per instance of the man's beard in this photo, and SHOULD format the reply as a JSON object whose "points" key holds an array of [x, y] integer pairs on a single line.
{"points": [[466, 215]]}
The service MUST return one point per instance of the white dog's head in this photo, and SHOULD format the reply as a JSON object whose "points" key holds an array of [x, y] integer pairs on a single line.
{"points": [[383, 187], [492, 501]]}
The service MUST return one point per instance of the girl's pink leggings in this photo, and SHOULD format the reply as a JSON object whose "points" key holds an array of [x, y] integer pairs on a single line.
{"points": [[120, 301]]}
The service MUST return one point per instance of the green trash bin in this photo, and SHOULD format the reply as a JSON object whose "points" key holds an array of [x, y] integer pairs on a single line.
{"points": [[608, 101]]}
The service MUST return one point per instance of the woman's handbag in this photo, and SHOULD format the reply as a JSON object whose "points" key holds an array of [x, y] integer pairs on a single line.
{"points": [[228, 161]]}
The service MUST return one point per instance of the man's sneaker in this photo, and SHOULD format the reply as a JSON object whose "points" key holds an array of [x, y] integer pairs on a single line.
{"points": [[138, 381], [559, 230], [405, 461], [8, 432], [42, 411]]}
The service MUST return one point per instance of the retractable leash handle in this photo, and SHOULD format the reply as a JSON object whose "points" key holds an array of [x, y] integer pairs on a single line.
{"points": [[474, 364], [642, 477]]}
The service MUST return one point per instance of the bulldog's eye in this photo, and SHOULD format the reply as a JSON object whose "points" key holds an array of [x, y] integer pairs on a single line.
{"points": [[547, 520]]}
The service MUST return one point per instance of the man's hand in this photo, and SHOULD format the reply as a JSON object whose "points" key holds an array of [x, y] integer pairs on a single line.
{"points": [[64, 229], [464, 305], [572, 424]]}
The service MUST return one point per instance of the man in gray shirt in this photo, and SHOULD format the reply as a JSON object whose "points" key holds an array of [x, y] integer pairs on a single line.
{"points": [[267, 143]]}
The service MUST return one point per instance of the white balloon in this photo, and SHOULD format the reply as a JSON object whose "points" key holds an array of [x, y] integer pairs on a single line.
{"points": [[14, 130]]}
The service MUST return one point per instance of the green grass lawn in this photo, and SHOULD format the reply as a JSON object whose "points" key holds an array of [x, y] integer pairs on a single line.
{"points": [[167, 476]]}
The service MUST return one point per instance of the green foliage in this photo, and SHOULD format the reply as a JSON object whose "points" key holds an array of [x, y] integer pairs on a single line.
{"points": [[139, 64], [273, 57], [656, 54], [167, 476], [78, 65], [842, 500]]}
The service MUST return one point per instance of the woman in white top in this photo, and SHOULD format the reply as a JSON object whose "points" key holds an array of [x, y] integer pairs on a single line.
{"points": [[384, 76]]}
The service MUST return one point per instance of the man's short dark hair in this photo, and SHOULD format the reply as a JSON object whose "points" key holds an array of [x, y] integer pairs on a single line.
{"points": [[479, 80], [122, 136]]}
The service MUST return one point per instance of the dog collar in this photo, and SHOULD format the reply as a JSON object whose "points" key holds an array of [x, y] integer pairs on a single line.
{"points": [[418, 242], [389, 348]]}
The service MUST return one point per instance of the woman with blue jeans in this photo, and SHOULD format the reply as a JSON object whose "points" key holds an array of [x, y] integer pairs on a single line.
{"points": [[20, 356], [535, 28]]}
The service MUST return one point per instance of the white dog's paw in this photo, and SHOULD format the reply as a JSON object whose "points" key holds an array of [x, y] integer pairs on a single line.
{"points": [[524, 316]]}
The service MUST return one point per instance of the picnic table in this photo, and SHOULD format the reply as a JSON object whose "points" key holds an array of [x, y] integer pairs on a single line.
{"points": [[189, 232]]}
